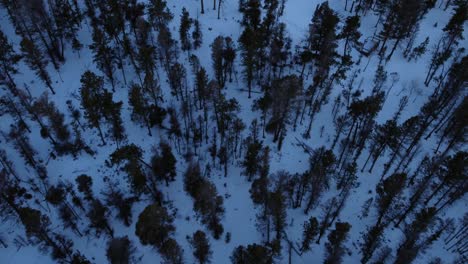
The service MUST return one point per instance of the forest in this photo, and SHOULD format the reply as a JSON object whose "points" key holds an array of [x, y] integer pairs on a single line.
{"points": [[233, 131]]}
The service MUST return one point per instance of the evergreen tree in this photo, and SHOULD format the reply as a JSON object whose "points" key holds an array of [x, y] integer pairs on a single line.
{"points": [[163, 163], [132, 156], [185, 24], [159, 14], [201, 247], [283, 94], [447, 43], [97, 215], [321, 166], [321, 42], [36, 61], [104, 56], [154, 226], [250, 162], [207, 203], [309, 233], [119, 250], [252, 254], [8, 63], [334, 246], [98, 105], [197, 34], [350, 32]]}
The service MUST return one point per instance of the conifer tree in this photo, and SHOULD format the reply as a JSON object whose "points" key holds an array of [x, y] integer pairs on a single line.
{"points": [[321, 42], [252, 254], [159, 14], [36, 61], [197, 34], [447, 43], [334, 246], [130, 156], [8, 63], [98, 217], [104, 56], [154, 226], [119, 250], [163, 163], [309, 233], [201, 247], [350, 32], [185, 24]]}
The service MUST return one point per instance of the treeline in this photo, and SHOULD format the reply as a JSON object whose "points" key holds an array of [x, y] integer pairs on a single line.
{"points": [[134, 47]]}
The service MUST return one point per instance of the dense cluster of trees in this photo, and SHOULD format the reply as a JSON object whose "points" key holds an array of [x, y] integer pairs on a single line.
{"points": [[187, 107]]}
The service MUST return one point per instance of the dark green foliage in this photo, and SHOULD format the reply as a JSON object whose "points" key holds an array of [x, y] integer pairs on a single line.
{"points": [[119, 250], [163, 163], [388, 192], [97, 216], [8, 63], [197, 34], [159, 13], [185, 24], [252, 254], [201, 247], [114, 197], [251, 158], [131, 155], [334, 246], [171, 252], [309, 233], [36, 61], [350, 32], [207, 203], [154, 226], [84, 183]]}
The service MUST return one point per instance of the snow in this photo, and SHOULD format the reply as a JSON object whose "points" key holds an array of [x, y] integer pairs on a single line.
{"points": [[240, 216]]}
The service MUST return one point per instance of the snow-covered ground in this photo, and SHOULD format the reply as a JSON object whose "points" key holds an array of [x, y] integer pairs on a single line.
{"points": [[240, 215]]}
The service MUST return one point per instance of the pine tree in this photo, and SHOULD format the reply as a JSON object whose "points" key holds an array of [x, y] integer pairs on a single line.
{"points": [[250, 162], [185, 24], [36, 61], [197, 34], [207, 203], [84, 183], [252, 254], [283, 94], [154, 226], [37, 225], [411, 244], [321, 42], [309, 233], [201, 247], [217, 48], [163, 163], [119, 250], [172, 252], [447, 43], [401, 21], [350, 32], [334, 246], [321, 166], [91, 92], [130, 157], [98, 218], [104, 56], [159, 14], [115, 198], [388, 192], [8, 63], [67, 23]]}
